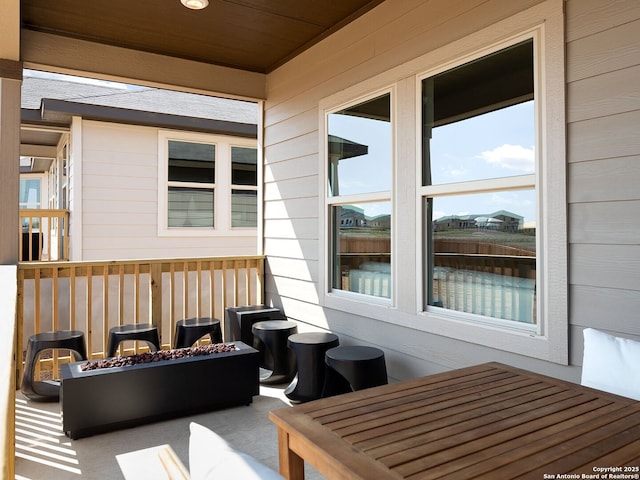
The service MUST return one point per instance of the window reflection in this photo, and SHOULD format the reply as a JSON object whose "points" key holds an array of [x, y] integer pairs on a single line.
{"points": [[359, 148], [478, 119], [362, 248], [478, 134], [190, 207], [191, 162], [244, 200], [484, 262]]}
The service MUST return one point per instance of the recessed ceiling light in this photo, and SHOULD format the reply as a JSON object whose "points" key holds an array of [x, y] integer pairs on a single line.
{"points": [[195, 4]]}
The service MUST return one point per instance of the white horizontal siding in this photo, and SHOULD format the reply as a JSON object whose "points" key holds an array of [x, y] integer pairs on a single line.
{"points": [[603, 67], [304, 207], [606, 265], [612, 223], [591, 181], [592, 54], [604, 137], [120, 201], [287, 189], [588, 98], [306, 228]]}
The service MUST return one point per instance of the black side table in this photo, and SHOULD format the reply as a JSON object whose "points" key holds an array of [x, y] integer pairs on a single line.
{"points": [[49, 391], [239, 320], [310, 350], [277, 360], [144, 332], [190, 330], [353, 368]]}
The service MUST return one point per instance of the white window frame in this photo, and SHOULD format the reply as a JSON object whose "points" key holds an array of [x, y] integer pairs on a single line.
{"points": [[338, 298], [549, 341], [222, 186], [499, 184], [250, 188]]}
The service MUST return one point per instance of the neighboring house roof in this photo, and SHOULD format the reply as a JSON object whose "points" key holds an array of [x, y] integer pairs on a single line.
{"points": [[473, 216], [147, 99], [52, 102]]}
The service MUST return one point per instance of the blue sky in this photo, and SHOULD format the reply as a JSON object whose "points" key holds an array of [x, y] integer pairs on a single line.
{"points": [[497, 144]]}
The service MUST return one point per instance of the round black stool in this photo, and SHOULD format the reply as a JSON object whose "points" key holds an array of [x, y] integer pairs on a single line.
{"points": [[353, 368], [239, 320], [144, 332], [190, 330], [278, 361], [310, 349], [72, 340]]}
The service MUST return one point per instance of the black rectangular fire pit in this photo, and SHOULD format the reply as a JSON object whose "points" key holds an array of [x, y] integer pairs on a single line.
{"points": [[101, 400]]}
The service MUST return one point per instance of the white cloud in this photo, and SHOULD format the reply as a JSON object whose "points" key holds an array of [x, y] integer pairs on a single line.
{"points": [[513, 157]]}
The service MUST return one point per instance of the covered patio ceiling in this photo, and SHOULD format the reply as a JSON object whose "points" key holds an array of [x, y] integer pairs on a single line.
{"points": [[235, 42], [249, 35]]}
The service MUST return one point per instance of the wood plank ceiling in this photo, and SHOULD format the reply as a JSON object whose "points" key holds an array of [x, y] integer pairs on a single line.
{"points": [[252, 35]]}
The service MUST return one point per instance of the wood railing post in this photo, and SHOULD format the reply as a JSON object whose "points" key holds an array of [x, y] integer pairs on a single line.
{"points": [[155, 273]]}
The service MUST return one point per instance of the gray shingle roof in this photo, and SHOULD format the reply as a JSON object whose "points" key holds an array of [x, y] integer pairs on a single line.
{"points": [[146, 99]]}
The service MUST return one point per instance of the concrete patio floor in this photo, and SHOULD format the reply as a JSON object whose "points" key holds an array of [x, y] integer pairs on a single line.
{"points": [[43, 452]]}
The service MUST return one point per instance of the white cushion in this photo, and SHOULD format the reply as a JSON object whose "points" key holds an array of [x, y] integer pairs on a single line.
{"points": [[211, 457], [611, 364]]}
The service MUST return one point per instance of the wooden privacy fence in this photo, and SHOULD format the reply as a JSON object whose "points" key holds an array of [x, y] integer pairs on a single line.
{"points": [[95, 296]]}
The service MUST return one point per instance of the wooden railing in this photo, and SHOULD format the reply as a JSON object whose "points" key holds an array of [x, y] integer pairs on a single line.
{"points": [[95, 296], [44, 235]]}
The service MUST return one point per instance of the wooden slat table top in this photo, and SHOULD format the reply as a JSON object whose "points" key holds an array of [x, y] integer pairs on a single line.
{"points": [[488, 421]]}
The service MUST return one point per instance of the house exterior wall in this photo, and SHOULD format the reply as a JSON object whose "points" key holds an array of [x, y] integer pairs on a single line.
{"points": [[119, 200], [603, 155], [604, 282]]}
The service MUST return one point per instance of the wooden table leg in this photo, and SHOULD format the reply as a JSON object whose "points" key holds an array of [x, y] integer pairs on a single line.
{"points": [[291, 465]]}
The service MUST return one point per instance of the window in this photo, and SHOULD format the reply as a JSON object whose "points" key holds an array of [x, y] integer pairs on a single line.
{"points": [[244, 193], [30, 192], [479, 192], [359, 160], [474, 181], [191, 184], [30, 198], [207, 185]]}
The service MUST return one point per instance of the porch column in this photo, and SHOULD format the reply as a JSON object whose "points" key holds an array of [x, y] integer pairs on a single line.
{"points": [[10, 86]]}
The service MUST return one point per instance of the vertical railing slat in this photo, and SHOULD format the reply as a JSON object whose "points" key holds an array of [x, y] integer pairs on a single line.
{"points": [[212, 295], [105, 302], [20, 325], [89, 311], [198, 289], [55, 322], [172, 296], [185, 289], [72, 299], [225, 289], [223, 285], [155, 279]]}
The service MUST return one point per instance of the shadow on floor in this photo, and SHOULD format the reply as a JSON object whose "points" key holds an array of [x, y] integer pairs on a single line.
{"points": [[44, 452]]}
